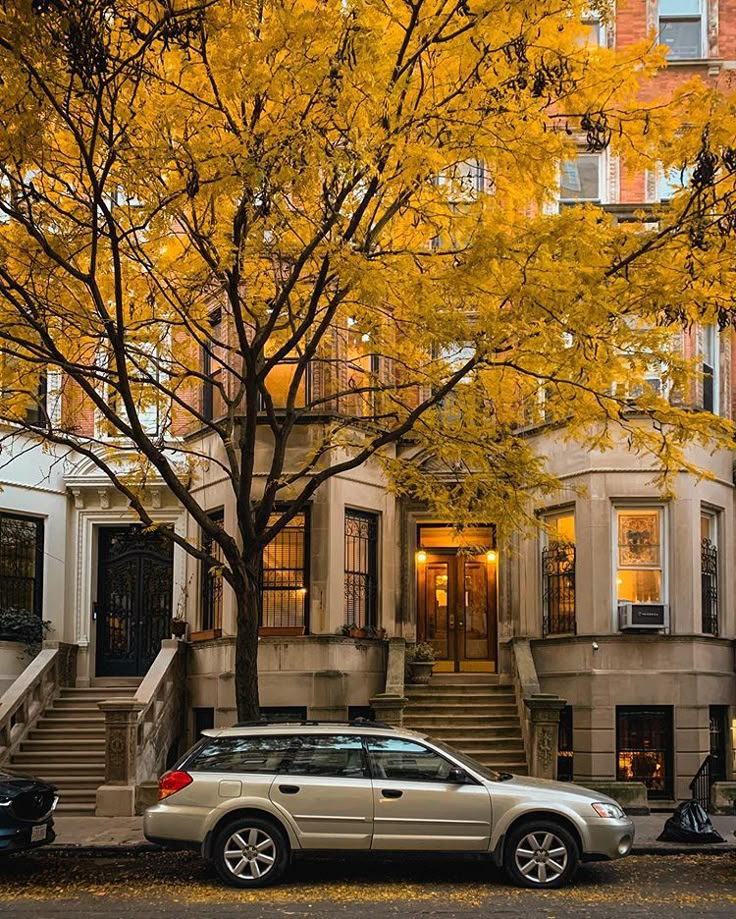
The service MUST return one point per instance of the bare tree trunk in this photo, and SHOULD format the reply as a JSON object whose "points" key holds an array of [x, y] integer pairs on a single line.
{"points": [[246, 650]]}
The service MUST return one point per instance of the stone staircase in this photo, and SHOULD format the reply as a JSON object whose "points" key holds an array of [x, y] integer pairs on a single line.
{"points": [[67, 745], [472, 712]]}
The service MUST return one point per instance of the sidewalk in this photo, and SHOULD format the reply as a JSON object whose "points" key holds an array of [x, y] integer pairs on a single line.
{"points": [[124, 835]]}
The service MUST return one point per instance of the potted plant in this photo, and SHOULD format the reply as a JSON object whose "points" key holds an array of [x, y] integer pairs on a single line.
{"points": [[420, 659], [178, 627], [23, 626], [373, 631]]}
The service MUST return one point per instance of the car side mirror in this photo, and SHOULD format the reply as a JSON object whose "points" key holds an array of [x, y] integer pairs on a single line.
{"points": [[457, 776]]}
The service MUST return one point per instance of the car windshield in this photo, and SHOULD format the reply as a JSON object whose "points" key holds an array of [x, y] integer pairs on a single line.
{"points": [[468, 761]]}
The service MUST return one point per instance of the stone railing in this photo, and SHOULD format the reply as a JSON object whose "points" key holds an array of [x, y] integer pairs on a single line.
{"points": [[141, 731], [389, 704], [539, 712], [25, 700]]}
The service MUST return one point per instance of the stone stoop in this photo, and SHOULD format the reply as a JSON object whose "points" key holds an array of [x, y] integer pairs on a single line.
{"points": [[474, 713], [67, 746]]}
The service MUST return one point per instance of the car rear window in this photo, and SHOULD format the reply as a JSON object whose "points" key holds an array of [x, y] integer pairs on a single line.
{"points": [[241, 754]]}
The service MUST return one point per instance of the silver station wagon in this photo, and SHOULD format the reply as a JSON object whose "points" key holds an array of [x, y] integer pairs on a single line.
{"points": [[249, 796]]}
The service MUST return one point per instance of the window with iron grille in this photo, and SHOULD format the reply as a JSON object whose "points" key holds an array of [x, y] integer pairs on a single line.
{"points": [[565, 753], [285, 576], [361, 567], [21, 563], [211, 586], [558, 575], [709, 573]]}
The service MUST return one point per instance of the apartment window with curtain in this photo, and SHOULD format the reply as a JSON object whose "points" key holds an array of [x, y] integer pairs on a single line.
{"points": [[361, 568], [285, 578], [640, 573], [211, 580], [558, 575], [709, 572], [21, 563], [581, 180], [682, 28], [710, 369]]}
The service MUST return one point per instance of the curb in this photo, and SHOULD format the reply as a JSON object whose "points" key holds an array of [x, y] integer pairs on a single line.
{"points": [[131, 850], [714, 848], [104, 851]]}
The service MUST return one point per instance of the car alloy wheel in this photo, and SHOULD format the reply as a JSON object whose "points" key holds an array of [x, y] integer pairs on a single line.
{"points": [[541, 854], [541, 857], [251, 852]]}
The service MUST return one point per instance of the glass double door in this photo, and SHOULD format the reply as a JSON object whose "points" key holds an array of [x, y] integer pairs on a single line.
{"points": [[457, 610]]}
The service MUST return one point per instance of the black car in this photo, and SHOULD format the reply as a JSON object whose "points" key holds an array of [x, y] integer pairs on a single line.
{"points": [[26, 813]]}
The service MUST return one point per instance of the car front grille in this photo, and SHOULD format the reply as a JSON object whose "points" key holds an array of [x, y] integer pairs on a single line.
{"points": [[33, 804]]}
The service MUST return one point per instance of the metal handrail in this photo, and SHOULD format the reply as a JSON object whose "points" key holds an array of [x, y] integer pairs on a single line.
{"points": [[701, 783]]}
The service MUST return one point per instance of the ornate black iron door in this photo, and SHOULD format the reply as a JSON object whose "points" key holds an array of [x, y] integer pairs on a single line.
{"points": [[133, 599]]}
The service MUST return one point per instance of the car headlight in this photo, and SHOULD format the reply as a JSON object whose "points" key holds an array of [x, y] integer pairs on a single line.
{"points": [[5, 801], [608, 810]]}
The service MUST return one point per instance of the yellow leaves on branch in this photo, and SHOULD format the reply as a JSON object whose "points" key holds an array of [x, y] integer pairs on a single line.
{"points": [[366, 183]]}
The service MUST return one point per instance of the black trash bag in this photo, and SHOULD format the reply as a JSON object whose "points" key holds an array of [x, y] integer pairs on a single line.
{"points": [[689, 823]]}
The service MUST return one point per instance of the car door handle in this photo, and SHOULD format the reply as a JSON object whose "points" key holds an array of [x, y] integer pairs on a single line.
{"points": [[391, 793], [289, 789]]}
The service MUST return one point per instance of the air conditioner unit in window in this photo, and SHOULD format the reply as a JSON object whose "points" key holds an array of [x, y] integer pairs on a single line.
{"points": [[642, 616]]}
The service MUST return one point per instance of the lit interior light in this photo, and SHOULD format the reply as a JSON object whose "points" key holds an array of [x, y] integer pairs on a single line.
{"points": [[351, 320], [491, 556], [365, 336], [421, 557]]}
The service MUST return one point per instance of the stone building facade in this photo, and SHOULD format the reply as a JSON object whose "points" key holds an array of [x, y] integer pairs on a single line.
{"points": [[627, 597]]}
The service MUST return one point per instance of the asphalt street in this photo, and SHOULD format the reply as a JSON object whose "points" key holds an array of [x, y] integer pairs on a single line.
{"points": [[50, 885]]}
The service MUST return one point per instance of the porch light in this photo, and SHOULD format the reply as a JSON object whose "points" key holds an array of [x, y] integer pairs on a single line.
{"points": [[421, 556], [491, 556]]}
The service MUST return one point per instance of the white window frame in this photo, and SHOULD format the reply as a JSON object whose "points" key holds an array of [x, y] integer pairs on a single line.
{"points": [[631, 507], [673, 17], [590, 18]]}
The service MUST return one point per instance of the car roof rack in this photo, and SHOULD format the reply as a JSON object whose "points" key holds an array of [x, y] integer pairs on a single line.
{"points": [[355, 722]]}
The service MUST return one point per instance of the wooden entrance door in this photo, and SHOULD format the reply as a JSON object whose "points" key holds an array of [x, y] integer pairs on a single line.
{"points": [[134, 595], [457, 610]]}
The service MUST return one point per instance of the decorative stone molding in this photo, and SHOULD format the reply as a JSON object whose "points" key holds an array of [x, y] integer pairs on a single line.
{"points": [[121, 726], [544, 723]]}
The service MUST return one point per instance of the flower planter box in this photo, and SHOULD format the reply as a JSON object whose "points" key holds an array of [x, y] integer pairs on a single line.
{"points": [[265, 631], [205, 635], [420, 672]]}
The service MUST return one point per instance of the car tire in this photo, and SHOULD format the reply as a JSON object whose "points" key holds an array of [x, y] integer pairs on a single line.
{"points": [[541, 854], [251, 852]]}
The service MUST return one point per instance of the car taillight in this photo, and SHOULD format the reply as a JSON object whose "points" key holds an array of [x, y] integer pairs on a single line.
{"points": [[171, 782]]}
